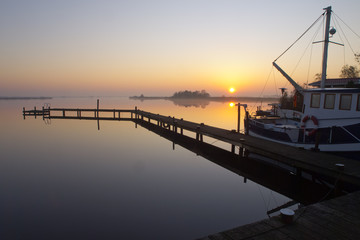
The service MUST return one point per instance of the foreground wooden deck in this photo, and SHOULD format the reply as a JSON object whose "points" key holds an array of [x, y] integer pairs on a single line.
{"points": [[333, 219], [315, 163]]}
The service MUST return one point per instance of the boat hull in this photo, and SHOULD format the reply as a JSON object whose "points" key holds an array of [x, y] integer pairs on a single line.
{"points": [[329, 139]]}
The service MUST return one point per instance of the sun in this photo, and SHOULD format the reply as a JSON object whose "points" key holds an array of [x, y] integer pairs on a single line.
{"points": [[231, 90]]}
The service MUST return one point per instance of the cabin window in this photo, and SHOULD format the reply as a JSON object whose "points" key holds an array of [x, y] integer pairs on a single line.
{"points": [[315, 100], [345, 102], [329, 101], [358, 103]]}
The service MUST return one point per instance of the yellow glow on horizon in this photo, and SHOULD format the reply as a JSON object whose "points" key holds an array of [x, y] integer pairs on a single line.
{"points": [[231, 104]]}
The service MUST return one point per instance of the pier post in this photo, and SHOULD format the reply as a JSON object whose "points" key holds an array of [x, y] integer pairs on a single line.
{"points": [[246, 121], [24, 112], [97, 113], [241, 151], [175, 126], [35, 112], [97, 107], [199, 136], [339, 185], [238, 119]]}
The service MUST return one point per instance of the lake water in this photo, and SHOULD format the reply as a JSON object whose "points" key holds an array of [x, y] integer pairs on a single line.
{"points": [[65, 179]]}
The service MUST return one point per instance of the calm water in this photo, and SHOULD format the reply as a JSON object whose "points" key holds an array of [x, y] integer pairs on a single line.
{"points": [[67, 180]]}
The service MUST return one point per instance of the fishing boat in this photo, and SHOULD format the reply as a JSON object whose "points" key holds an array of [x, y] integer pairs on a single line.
{"points": [[324, 118]]}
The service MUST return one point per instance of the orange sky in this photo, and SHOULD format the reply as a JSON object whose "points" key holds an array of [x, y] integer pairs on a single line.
{"points": [[154, 47]]}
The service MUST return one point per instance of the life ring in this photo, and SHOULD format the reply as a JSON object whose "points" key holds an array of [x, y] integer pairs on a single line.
{"points": [[314, 120]]}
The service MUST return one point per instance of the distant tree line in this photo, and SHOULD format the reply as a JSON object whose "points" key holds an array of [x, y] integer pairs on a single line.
{"points": [[191, 94]]}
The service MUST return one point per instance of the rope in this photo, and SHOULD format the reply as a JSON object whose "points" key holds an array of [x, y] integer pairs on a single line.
{"points": [[316, 33], [310, 43], [300, 36], [262, 91], [345, 35], [336, 24], [347, 26]]}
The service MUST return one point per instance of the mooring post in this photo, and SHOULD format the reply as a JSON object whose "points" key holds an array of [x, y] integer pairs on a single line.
{"points": [[97, 113], [97, 108], [241, 151], [175, 126], [197, 133], [24, 112], [246, 123], [339, 185], [238, 119], [35, 111]]}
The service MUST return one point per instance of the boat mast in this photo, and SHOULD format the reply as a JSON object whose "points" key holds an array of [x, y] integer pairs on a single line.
{"points": [[326, 46]]}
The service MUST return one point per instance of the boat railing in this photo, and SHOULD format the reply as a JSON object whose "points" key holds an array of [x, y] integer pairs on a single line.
{"points": [[357, 139]]}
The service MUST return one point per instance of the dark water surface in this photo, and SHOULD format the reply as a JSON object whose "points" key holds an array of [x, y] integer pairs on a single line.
{"points": [[67, 180]]}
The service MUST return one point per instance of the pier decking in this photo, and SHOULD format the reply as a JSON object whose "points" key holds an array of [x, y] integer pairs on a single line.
{"points": [[334, 219], [316, 163]]}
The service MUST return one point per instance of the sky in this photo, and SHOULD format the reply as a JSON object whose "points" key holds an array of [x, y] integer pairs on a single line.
{"points": [[157, 47]]}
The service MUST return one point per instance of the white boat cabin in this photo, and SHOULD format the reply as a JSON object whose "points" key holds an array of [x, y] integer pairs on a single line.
{"points": [[330, 105]]}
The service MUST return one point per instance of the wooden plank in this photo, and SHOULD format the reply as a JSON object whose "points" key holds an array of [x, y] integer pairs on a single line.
{"points": [[313, 222]]}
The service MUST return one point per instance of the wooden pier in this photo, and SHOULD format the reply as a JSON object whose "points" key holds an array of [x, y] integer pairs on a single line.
{"points": [[334, 219], [315, 163], [338, 218]]}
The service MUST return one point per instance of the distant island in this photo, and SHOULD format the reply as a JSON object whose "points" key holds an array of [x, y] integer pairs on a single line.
{"points": [[23, 98], [202, 95]]}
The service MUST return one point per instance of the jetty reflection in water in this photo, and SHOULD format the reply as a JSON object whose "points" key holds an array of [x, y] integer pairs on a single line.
{"points": [[69, 180]]}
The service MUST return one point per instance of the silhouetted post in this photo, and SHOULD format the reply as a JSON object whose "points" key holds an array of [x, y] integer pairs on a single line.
{"points": [[97, 108], [24, 112], [197, 133], [97, 113], [35, 112], [238, 119], [247, 123]]}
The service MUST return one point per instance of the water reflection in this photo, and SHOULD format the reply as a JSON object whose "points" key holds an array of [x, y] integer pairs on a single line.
{"points": [[281, 180], [69, 180]]}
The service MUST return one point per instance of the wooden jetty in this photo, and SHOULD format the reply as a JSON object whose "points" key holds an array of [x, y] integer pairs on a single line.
{"points": [[334, 219], [315, 163], [338, 218], [301, 189]]}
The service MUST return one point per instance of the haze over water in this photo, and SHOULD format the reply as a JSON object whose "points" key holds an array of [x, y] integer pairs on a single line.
{"points": [[69, 180]]}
